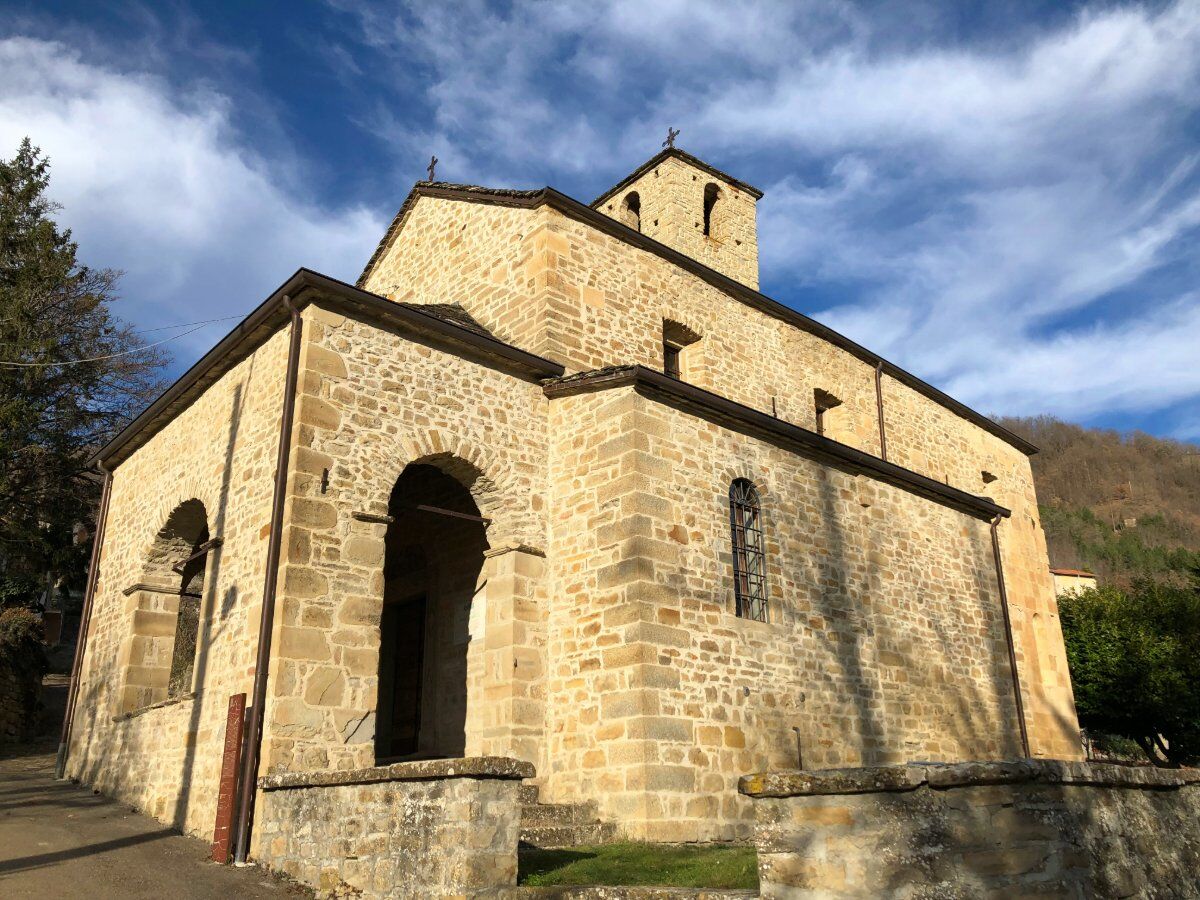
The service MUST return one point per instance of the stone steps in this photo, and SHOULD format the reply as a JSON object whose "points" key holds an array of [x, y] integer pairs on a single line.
{"points": [[554, 837], [543, 814], [557, 825]]}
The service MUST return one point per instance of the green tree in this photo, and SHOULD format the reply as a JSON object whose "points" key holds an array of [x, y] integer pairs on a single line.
{"points": [[71, 374], [1135, 666]]}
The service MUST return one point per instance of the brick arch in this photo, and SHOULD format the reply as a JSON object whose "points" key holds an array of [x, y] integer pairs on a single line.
{"points": [[755, 474], [183, 529], [187, 489], [492, 481]]}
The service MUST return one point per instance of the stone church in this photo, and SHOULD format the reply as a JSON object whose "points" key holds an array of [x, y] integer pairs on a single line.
{"points": [[554, 481]]}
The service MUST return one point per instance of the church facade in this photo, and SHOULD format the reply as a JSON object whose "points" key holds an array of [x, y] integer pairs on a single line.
{"points": [[563, 486]]}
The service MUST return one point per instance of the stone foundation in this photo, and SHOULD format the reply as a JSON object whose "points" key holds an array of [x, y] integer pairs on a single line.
{"points": [[1004, 829], [433, 828]]}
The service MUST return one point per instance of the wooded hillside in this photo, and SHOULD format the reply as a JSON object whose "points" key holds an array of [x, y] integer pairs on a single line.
{"points": [[1120, 505]]}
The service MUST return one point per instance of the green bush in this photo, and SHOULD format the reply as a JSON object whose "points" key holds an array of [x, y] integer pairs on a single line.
{"points": [[1135, 666], [21, 646]]}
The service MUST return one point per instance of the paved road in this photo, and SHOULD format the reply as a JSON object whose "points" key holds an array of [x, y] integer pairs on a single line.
{"points": [[59, 840]]}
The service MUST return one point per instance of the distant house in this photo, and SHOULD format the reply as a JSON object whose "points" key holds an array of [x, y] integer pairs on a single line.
{"points": [[1072, 581]]}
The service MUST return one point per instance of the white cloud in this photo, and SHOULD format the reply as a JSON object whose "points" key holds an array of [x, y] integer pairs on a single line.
{"points": [[965, 207], [157, 183], [970, 206]]}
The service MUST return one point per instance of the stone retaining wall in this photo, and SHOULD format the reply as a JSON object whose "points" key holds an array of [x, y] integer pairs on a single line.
{"points": [[1003, 829], [19, 691], [435, 828]]}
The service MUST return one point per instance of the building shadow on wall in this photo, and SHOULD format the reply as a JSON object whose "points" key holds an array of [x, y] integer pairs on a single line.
{"points": [[847, 633], [212, 619]]}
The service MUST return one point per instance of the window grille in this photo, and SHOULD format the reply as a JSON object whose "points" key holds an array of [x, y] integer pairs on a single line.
{"points": [[749, 551]]}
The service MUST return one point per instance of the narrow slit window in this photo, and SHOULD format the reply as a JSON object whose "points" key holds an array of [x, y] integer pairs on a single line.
{"points": [[824, 402], [711, 195], [671, 360], [749, 551]]}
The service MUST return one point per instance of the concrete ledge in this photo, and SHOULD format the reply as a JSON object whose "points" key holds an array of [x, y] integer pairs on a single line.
{"points": [[161, 704], [884, 779], [495, 767], [604, 892]]}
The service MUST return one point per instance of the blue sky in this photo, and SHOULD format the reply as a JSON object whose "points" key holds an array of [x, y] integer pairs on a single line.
{"points": [[1004, 198]]}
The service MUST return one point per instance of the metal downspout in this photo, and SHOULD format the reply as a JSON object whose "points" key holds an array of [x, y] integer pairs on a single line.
{"points": [[1008, 634], [249, 774], [879, 407], [60, 765]]}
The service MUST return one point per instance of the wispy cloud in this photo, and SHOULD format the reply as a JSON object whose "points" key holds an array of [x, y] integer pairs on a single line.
{"points": [[1008, 206], [1001, 214], [157, 182]]}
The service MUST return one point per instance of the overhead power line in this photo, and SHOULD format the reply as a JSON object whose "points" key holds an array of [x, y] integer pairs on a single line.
{"points": [[191, 327]]}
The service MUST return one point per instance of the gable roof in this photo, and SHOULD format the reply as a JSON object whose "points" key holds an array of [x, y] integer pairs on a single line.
{"points": [[682, 156], [573, 208], [446, 326]]}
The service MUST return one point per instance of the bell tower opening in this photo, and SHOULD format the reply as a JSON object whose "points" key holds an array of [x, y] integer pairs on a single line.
{"points": [[692, 207]]}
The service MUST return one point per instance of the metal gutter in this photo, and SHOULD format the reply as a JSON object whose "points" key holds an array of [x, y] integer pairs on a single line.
{"points": [[249, 776], [85, 619], [879, 407], [744, 418]]}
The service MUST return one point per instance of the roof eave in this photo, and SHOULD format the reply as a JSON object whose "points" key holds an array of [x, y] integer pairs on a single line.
{"points": [[576, 209], [722, 410], [304, 288], [683, 156]]}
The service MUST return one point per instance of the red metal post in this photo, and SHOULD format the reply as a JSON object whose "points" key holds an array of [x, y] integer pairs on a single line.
{"points": [[231, 759]]}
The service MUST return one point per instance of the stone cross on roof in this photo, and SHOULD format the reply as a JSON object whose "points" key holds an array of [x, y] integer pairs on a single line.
{"points": [[433, 161], [672, 133]]}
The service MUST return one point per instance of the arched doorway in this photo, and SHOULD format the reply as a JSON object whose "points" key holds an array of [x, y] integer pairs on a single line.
{"points": [[434, 554]]}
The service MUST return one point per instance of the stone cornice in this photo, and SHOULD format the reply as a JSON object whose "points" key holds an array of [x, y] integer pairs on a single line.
{"points": [[574, 209], [739, 417]]}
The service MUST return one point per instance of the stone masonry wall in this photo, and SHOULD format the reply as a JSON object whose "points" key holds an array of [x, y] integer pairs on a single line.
{"points": [[165, 758], [672, 212], [885, 641], [421, 829], [1034, 828], [371, 402], [19, 704], [558, 287], [930, 439]]}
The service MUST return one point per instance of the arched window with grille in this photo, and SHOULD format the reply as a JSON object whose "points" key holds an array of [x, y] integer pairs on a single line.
{"points": [[749, 551]]}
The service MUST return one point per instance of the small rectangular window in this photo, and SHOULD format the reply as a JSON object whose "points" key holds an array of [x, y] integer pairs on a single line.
{"points": [[824, 402], [671, 360]]}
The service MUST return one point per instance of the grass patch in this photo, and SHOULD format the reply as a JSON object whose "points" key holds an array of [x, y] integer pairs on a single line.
{"points": [[666, 865]]}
